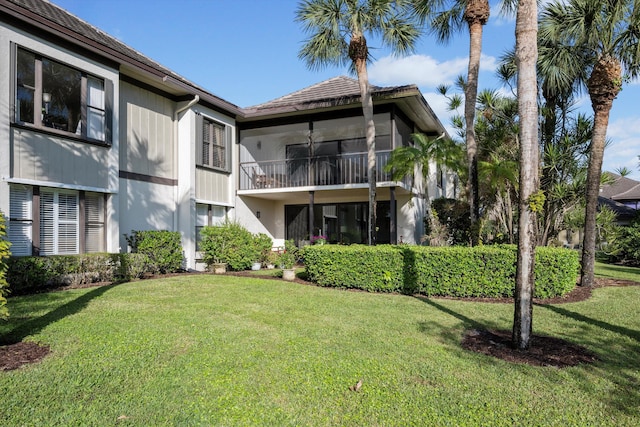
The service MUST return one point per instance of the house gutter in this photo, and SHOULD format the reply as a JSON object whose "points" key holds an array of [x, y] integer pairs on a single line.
{"points": [[176, 113]]}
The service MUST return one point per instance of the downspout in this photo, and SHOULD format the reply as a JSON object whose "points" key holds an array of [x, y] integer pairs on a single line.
{"points": [[191, 103]]}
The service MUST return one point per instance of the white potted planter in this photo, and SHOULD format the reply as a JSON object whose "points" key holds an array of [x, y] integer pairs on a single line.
{"points": [[289, 274]]}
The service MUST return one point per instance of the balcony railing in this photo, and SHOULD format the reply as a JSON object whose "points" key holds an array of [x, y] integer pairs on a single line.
{"points": [[311, 171]]}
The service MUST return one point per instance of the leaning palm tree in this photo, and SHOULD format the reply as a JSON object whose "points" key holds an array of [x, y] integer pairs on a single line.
{"points": [[338, 31], [606, 36], [444, 18]]}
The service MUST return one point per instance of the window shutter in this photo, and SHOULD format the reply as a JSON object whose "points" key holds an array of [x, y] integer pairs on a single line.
{"points": [[199, 142], [108, 112], [20, 217], [67, 223], [47, 223], [94, 222]]}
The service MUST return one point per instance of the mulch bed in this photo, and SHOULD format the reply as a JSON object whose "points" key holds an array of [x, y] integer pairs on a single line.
{"points": [[13, 356], [543, 351]]}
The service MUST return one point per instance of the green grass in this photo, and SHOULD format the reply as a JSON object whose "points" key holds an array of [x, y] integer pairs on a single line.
{"points": [[237, 351], [617, 272]]}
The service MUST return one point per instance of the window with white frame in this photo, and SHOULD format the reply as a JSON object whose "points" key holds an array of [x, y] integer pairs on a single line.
{"points": [[63, 228], [53, 95], [59, 222], [208, 215], [214, 145]]}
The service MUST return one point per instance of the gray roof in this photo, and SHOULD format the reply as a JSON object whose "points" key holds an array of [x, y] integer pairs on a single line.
{"points": [[333, 90], [53, 19], [622, 188], [344, 92]]}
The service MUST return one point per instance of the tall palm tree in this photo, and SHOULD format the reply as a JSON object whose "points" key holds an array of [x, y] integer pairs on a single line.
{"points": [[526, 58], [605, 33], [444, 18], [338, 31]]}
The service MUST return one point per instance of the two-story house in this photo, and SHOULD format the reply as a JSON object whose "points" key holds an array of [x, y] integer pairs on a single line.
{"points": [[303, 164], [97, 140]]}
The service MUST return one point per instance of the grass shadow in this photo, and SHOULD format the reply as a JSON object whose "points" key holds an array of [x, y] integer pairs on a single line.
{"points": [[33, 326], [633, 334]]}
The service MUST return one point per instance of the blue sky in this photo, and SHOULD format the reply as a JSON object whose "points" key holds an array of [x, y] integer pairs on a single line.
{"points": [[246, 51]]}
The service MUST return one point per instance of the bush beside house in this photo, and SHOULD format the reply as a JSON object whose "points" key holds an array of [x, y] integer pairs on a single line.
{"points": [[484, 271], [163, 248]]}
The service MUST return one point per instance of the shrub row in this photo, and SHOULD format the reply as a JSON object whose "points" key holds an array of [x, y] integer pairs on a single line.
{"points": [[484, 271], [4, 256], [32, 274]]}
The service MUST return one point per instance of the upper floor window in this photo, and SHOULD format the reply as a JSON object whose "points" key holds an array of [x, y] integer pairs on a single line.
{"points": [[214, 150], [50, 94]]}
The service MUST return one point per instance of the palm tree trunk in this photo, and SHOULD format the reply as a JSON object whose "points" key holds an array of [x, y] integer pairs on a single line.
{"points": [[598, 141], [526, 58], [471, 93], [370, 132]]}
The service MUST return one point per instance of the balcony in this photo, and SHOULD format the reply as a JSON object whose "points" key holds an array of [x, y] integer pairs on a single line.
{"points": [[345, 169]]}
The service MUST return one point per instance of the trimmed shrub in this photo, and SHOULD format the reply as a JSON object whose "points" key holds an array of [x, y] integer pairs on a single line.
{"points": [[27, 275], [230, 243], [163, 248], [482, 271], [371, 268], [4, 255], [556, 270]]}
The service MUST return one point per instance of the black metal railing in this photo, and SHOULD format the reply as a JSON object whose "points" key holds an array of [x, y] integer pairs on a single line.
{"points": [[342, 169]]}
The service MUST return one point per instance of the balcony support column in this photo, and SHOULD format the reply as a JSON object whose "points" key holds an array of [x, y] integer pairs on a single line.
{"points": [[311, 217], [393, 224]]}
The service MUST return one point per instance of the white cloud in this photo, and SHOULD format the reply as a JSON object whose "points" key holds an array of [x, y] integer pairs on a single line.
{"points": [[624, 135], [423, 70]]}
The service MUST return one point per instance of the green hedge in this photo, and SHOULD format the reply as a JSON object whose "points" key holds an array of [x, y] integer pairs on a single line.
{"points": [[163, 248], [28, 275], [372, 268], [4, 256], [233, 244], [483, 271]]}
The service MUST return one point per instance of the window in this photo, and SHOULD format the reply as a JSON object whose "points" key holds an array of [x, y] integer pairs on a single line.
{"points": [[53, 95], [63, 228], [208, 215], [59, 223], [213, 150]]}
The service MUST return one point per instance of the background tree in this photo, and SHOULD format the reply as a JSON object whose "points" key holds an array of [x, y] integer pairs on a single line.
{"points": [[444, 18], [526, 58], [338, 32], [605, 35]]}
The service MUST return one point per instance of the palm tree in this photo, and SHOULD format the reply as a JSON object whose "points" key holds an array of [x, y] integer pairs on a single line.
{"points": [[606, 36], [337, 36], [451, 18], [414, 161], [526, 58]]}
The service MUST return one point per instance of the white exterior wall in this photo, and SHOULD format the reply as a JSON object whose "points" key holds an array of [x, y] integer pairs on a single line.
{"points": [[56, 178]]}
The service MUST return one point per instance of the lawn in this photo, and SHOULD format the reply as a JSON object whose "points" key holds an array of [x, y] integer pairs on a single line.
{"points": [[240, 351]]}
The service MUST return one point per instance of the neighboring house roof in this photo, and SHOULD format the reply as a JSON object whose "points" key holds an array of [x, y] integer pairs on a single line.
{"points": [[51, 18], [344, 92], [623, 213], [622, 188]]}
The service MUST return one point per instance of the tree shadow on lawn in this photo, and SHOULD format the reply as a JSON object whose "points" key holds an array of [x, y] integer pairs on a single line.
{"points": [[543, 350], [15, 353]]}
